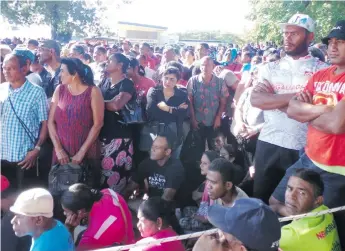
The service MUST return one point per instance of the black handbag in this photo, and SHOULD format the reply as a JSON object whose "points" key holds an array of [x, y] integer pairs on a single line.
{"points": [[152, 129], [192, 148], [61, 177], [133, 113]]}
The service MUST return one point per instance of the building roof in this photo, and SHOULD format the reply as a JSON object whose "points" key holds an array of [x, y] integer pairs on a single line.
{"points": [[137, 26]]}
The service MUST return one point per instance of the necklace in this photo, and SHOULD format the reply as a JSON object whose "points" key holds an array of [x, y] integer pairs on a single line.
{"points": [[112, 85]]}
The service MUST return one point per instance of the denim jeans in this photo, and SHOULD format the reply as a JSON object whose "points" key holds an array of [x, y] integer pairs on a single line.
{"points": [[334, 193]]}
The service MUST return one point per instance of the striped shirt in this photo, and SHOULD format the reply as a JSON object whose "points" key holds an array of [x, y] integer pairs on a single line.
{"points": [[30, 103]]}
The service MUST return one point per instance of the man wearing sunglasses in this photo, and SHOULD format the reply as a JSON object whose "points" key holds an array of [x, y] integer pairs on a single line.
{"points": [[49, 55]]}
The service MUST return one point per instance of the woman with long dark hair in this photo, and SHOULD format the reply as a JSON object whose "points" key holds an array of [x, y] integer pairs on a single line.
{"points": [[76, 117], [155, 222], [104, 214], [116, 137]]}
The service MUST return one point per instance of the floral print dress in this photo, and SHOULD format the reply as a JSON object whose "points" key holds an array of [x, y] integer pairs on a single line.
{"points": [[116, 140], [116, 163]]}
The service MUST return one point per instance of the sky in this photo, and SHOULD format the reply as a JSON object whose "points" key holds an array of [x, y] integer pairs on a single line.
{"points": [[177, 15], [184, 15]]}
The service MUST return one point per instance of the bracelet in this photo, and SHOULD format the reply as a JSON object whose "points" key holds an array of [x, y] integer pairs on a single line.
{"points": [[59, 151]]}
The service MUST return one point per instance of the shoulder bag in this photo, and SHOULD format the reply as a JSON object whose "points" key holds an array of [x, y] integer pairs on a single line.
{"points": [[27, 131]]}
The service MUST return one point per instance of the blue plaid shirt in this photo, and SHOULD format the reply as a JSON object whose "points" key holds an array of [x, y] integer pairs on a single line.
{"points": [[30, 104]]}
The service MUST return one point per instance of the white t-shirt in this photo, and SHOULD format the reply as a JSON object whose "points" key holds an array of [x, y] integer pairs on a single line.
{"points": [[34, 78], [287, 76], [149, 72], [97, 72]]}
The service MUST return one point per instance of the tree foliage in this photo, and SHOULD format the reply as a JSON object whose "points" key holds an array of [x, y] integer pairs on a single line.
{"points": [[266, 16], [62, 16], [65, 17]]}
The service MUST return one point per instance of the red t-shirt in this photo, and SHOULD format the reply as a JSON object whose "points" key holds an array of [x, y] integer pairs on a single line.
{"points": [[167, 246], [235, 68], [106, 223], [151, 63], [323, 148], [143, 86], [183, 82]]}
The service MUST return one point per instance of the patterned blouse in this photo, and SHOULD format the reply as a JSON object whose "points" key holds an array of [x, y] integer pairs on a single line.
{"points": [[206, 98]]}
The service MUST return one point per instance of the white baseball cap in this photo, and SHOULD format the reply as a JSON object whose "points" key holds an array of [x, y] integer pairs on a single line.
{"points": [[34, 202], [301, 20]]}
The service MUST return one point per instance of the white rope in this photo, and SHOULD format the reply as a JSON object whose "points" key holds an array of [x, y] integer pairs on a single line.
{"points": [[296, 217], [213, 231]]}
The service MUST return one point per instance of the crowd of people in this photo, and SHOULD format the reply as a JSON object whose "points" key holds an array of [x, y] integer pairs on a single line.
{"points": [[105, 145]]}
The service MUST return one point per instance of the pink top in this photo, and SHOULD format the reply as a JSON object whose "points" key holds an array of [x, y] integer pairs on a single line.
{"points": [[106, 223], [167, 246]]}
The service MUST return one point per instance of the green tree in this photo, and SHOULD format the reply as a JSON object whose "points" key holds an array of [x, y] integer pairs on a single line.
{"points": [[266, 16], [65, 17]]}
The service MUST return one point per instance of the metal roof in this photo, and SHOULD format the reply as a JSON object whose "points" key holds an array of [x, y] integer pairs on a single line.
{"points": [[143, 25]]}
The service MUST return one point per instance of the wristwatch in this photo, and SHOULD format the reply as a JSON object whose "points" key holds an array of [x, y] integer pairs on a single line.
{"points": [[38, 148]]}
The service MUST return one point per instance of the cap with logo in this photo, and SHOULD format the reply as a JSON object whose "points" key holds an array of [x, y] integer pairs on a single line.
{"points": [[338, 31], [34, 202], [26, 53], [249, 220], [301, 20]]}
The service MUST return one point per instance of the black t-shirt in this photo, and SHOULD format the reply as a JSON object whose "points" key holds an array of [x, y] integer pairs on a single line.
{"points": [[46, 78], [112, 127], [52, 81], [171, 175]]}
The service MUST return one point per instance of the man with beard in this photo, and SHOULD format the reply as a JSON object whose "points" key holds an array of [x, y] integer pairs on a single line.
{"points": [[281, 137], [322, 105]]}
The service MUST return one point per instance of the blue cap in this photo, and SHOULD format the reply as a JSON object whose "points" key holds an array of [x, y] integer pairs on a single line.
{"points": [[249, 220], [27, 54]]}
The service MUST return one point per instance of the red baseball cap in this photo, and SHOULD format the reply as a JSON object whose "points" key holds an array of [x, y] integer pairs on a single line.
{"points": [[4, 183]]}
